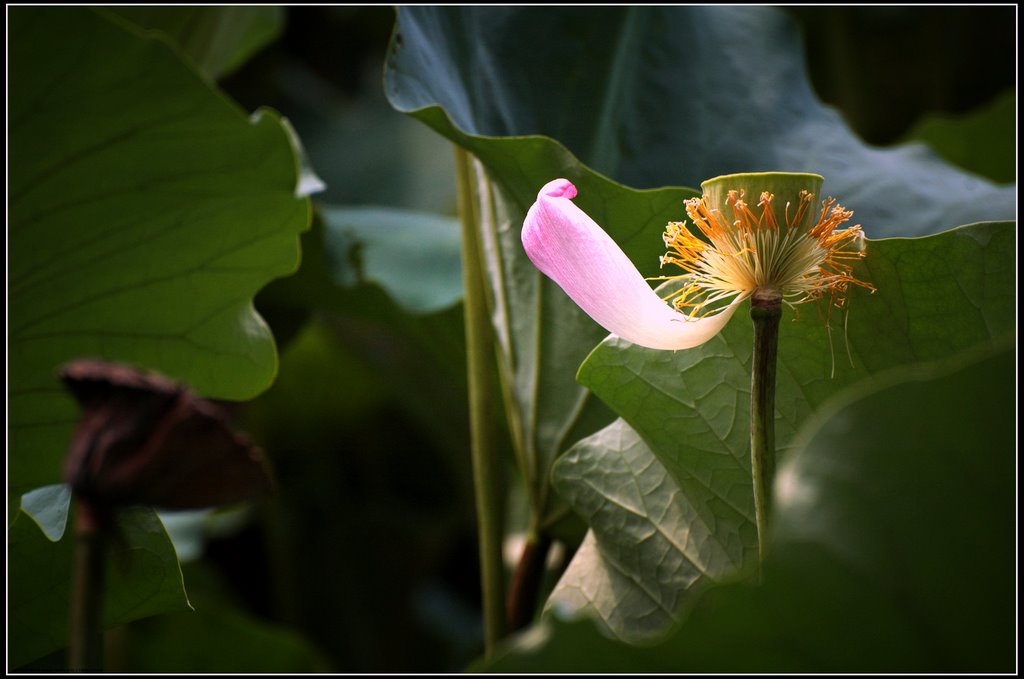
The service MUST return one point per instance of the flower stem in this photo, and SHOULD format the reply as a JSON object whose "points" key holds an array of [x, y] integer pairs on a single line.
{"points": [[527, 580], [85, 652], [480, 363], [765, 311]]}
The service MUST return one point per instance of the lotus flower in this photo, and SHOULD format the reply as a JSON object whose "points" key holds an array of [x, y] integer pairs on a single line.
{"points": [[783, 258]]}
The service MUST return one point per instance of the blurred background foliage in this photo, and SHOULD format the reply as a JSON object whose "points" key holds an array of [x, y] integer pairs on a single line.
{"points": [[366, 559]]}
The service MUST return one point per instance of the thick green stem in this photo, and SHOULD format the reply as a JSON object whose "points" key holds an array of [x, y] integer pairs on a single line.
{"points": [[85, 652], [765, 311], [480, 362], [527, 579]]}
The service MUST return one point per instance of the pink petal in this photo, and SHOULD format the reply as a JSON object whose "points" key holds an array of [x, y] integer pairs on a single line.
{"points": [[572, 250]]}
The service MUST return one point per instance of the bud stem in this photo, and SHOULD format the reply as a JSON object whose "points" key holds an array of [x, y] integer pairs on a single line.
{"points": [[85, 652], [527, 579]]}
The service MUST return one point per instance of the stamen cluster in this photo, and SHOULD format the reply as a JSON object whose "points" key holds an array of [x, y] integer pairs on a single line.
{"points": [[755, 253]]}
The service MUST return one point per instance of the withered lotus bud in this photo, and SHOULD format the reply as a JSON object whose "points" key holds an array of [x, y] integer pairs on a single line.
{"points": [[144, 439]]}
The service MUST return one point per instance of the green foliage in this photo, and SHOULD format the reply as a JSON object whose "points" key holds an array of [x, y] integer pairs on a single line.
{"points": [[677, 510], [366, 424], [217, 640], [217, 40], [143, 578], [862, 576], [673, 97], [546, 65], [48, 507], [219, 636], [367, 339], [979, 141], [657, 96], [413, 255], [143, 234], [145, 212]]}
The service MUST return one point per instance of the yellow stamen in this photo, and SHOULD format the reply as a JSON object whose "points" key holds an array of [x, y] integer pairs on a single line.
{"points": [[754, 252]]}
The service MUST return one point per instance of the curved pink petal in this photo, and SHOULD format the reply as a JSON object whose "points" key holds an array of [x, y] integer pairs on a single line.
{"points": [[572, 250]]}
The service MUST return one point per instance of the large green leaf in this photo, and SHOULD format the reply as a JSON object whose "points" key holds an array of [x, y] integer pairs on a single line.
{"points": [[413, 255], [978, 141], [216, 39], [649, 96], [893, 547], [656, 96], [143, 578], [219, 636], [419, 359], [670, 500], [145, 212], [650, 546], [541, 335], [218, 640]]}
